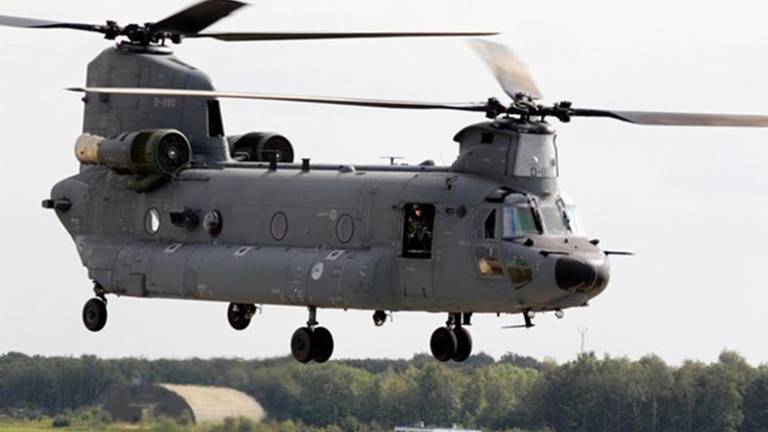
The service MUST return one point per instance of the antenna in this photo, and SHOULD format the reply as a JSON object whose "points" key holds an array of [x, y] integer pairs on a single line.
{"points": [[583, 335], [392, 159]]}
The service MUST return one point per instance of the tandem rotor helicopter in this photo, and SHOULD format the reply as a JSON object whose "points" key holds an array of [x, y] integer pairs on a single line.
{"points": [[167, 206]]}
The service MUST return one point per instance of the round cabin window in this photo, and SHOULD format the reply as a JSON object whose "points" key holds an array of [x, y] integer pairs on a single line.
{"points": [[152, 221], [279, 226], [345, 228], [212, 223]]}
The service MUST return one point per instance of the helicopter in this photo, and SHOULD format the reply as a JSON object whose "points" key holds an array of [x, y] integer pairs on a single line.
{"points": [[167, 206]]}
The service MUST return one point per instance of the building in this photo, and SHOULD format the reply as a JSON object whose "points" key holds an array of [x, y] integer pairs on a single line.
{"points": [[423, 429], [198, 404]]}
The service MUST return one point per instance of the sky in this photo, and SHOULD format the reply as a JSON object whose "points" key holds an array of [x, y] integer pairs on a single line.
{"points": [[690, 202]]}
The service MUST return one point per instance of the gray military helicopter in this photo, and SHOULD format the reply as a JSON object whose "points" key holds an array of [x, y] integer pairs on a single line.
{"points": [[167, 206]]}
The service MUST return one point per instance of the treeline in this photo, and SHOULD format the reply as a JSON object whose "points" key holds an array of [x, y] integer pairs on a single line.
{"points": [[586, 394]]}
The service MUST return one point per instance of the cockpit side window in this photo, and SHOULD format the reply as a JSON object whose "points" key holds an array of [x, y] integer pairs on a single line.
{"points": [[490, 225], [418, 228]]}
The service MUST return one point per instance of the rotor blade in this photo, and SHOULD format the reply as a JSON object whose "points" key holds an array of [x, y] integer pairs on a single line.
{"points": [[677, 119], [281, 36], [373, 103], [12, 21], [510, 71], [197, 17]]}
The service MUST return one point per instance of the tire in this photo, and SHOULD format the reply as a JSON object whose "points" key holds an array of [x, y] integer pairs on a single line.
{"points": [[237, 316], [95, 314], [443, 344], [302, 345], [322, 345], [463, 344]]}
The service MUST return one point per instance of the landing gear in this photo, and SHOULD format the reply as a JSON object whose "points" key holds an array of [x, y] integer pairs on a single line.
{"points": [[95, 309], [379, 318], [443, 344], [95, 314], [463, 344], [452, 342], [312, 342], [239, 315]]}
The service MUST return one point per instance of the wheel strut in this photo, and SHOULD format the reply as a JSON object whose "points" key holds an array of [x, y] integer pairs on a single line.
{"points": [[99, 291], [312, 321]]}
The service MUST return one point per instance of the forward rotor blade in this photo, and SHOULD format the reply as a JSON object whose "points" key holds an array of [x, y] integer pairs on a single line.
{"points": [[372, 103], [677, 119], [12, 21], [511, 73], [281, 36], [197, 17]]}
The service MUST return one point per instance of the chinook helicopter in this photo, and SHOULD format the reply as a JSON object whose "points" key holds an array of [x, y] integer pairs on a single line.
{"points": [[167, 206]]}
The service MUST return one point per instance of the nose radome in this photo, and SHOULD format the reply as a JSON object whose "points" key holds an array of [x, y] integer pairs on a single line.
{"points": [[573, 274]]}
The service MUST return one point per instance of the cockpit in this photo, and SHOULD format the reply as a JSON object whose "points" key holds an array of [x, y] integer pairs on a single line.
{"points": [[520, 236], [524, 215]]}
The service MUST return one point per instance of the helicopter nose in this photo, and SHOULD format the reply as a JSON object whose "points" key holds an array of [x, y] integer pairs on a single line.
{"points": [[575, 275]]}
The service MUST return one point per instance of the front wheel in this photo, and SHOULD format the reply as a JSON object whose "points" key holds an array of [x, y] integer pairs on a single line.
{"points": [[443, 344], [302, 345], [463, 344]]}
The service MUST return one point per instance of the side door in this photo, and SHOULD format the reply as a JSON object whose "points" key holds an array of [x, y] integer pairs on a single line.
{"points": [[416, 249]]}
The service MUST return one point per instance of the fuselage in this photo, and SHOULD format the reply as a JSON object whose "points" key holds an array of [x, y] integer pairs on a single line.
{"points": [[330, 238]]}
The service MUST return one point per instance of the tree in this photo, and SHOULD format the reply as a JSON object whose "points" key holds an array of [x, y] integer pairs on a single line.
{"points": [[756, 403]]}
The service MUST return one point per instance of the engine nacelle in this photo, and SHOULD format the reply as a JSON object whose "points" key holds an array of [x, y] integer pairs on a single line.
{"points": [[150, 152], [260, 147]]}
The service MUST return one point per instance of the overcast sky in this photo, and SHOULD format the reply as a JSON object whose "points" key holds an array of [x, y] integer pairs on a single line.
{"points": [[691, 202]]}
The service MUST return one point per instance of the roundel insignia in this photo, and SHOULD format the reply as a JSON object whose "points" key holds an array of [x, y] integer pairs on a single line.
{"points": [[317, 271]]}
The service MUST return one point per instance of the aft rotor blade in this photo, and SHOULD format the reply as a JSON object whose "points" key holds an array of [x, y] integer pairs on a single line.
{"points": [[372, 103], [511, 73], [12, 21], [677, 119], [197, 17], [283, 36]]}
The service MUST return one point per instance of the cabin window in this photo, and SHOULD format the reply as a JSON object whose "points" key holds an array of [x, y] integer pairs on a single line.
{"points": [[418, 228], [279, 226], [345, 228], [215, 124], [152, 221]]}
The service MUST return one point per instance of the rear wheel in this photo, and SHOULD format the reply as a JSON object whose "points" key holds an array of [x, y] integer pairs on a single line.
{"points": [[95, 314], [239, 315]]}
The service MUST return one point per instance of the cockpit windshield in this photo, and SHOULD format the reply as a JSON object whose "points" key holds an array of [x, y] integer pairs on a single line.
{"points": [[519, 217], [524, 216], [554, 219], [560, 218]]}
